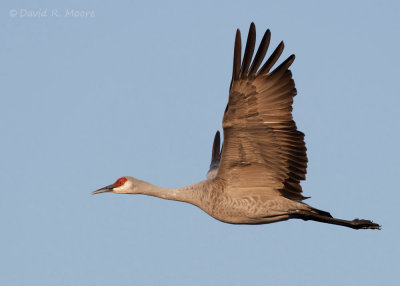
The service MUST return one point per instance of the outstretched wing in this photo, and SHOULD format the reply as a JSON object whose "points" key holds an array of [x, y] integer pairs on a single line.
{"points": [[264, 154], [215, 157]]}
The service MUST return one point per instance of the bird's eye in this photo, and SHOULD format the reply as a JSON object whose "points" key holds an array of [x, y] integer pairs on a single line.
{"points": [[120, 181]]}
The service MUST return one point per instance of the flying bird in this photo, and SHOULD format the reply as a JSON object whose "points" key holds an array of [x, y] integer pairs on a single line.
{"points": [[255, 177]]}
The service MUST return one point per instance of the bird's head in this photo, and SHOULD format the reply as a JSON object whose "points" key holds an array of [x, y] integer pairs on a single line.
{"points": [[124, 185]]}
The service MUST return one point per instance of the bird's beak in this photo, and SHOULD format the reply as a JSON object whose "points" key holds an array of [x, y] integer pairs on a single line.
{"points": [[107, 189]]}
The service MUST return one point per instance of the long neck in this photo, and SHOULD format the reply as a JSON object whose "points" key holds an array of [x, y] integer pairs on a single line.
{"points": [[189, 194]]}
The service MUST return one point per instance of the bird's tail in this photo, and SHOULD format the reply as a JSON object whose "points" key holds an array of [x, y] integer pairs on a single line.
{"points": [[322, 216]]}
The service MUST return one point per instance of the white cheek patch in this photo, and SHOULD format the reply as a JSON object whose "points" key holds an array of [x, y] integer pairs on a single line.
{"points": [[123, 189]]}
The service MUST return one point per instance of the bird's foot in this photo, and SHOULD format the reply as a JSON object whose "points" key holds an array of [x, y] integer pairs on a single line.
{"points": [[364, 224]]}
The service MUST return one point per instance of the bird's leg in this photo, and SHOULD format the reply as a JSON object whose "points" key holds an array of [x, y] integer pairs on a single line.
{"points": [[355, 224]]}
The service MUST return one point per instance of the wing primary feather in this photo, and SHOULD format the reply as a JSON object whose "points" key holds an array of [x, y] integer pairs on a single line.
{"points": [[237, 56], [249, 50], [215, 157], [262, 50], [272, 59], [282, 68], [216, 147], [285, 64]]}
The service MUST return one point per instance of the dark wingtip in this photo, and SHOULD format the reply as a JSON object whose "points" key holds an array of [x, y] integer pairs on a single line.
{"points": [[252, 28], [262, 50], [283, 67], [216, 147], [272, 59], [249, 50], [291, 59], [237, 56]]}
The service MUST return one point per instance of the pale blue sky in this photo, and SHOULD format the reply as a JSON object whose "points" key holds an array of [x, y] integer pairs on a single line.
{"points": [[140, 89]]}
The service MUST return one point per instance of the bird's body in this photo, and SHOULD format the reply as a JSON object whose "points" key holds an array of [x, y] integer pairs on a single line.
{"points": [[213, 197], [255, 179]]}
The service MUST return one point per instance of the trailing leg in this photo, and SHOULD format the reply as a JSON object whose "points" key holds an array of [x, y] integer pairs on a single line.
{"points": [[355, 224]]}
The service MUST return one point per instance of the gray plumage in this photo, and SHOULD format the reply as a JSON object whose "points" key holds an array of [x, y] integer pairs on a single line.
{"points": [[256, 178]]}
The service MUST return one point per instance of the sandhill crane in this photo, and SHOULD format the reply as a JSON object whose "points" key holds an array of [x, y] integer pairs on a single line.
{"points": [[256, 178]]}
